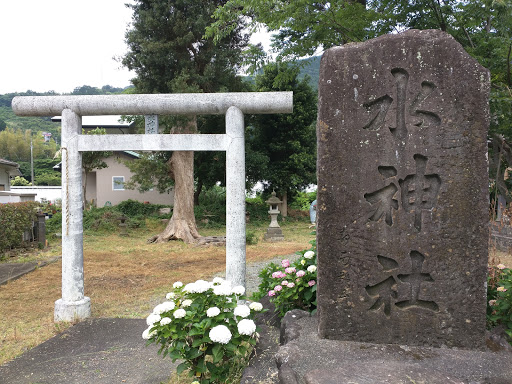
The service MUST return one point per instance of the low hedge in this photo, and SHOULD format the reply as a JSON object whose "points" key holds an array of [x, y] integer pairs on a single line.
{"points": [[15, 219]]}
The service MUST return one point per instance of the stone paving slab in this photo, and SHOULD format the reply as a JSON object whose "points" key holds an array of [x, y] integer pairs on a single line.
{"points": [[13, 271], [307, 359], [94, 351]]}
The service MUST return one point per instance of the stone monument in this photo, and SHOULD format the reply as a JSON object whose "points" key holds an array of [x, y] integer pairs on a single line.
{"points": [[274, 231], [402, 229]]}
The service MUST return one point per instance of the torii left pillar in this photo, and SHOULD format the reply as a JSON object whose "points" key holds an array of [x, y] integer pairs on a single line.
{"points": [[73, 304]]}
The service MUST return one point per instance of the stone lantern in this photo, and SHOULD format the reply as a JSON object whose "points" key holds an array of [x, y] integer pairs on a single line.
{"points": [[274, 232], [123, 225]]}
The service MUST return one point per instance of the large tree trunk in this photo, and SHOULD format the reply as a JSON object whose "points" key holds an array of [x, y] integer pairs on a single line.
{"points": [[182, 225]]}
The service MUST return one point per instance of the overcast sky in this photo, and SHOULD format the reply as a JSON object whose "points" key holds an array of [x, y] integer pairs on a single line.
{"points": [[62, 44]]}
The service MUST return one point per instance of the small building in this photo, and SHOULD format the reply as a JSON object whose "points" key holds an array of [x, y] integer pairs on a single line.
{"points": [[10, 169], [106, 186]]}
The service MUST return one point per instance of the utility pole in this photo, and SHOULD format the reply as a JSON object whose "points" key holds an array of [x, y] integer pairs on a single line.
{"points": [[32, 162]]}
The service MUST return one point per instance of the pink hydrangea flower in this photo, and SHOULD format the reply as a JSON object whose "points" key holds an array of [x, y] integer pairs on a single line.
{"points": [[284, 282], [277, 288], [501, 266], [271, 293], [300, 273], [285, 263], [276, 274], [290, 270], [291, 285], [282, 274], [311, 283], [501, 289], [492, 302]]}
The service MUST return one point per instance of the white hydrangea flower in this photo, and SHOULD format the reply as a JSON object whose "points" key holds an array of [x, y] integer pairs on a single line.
{"points": [[238, 290], [220, 334], [246, 327], [212, 312], [152, 319], [255, 306], [164, 307], [309, 254], [170, 295], [177, 284], [223, 289], [165, 321], [218, 280], [190, 288], [242, 311], [146, 335], [312, 268], [201, 286], [186, 303], [179, 313]]}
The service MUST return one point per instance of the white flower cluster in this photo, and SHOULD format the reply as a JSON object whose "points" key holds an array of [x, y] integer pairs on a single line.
{"points": [[223, 289], [311, 268], [153, 319], [238, 290], [242, 311], [246, 327], [146, 335], [200, 286], [255, 306], [212, 312], [220, 334], [164, 307], [177, 284], [165, 321], [309, 254], [180, 313], [186, 303], [170, 295]]}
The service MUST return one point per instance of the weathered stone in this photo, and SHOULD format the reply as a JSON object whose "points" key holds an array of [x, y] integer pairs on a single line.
{"points": [[402, 192], [290, 329]]}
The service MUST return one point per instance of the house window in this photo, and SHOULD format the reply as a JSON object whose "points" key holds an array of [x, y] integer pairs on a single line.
{"points": [[118, 183], [2, 187]]}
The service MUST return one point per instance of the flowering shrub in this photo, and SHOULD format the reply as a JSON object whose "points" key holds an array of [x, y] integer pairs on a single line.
{"points": [[499, 297], [206, 325], [291, 285]]}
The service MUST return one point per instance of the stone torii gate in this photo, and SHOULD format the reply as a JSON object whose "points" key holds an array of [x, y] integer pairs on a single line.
{"points": [[73, 304]]}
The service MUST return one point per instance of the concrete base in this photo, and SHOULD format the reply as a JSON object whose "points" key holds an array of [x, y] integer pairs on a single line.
{"points": [[72, 310], [304, 358], [274, 234]]}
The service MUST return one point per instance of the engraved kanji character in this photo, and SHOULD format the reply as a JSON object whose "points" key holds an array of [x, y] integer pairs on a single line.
{"points": [[383, 199], [419, 191], [384, 292], [415, 278], [380, 106]]}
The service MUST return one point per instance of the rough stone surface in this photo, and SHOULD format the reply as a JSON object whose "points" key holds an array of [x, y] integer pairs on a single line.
{"points": [[402, 229], [320, 361], [290, 329]]}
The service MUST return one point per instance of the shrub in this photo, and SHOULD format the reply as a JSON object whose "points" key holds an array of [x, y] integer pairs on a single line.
{"points": [[251, 238], [302, 200], [291, 285], [202, 324], [15, 219], [132, 208], [499, 298]]}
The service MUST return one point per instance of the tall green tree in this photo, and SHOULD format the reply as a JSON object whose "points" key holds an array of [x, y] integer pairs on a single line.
{"points": [[285, 143], [169, 54]]}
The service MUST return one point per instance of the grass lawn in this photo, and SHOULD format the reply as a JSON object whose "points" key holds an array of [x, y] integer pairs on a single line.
{"points": [[123, 276]]}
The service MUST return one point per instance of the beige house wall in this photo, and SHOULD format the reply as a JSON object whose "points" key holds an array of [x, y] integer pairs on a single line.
{"points": [[100, 186], [4, 178]]}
